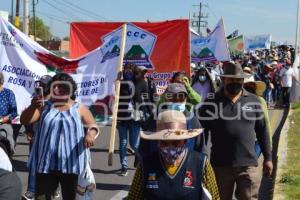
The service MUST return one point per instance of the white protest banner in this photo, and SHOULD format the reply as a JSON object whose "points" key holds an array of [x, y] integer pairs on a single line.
{"points": [[257, 42], [23, 61], [212, 47]]}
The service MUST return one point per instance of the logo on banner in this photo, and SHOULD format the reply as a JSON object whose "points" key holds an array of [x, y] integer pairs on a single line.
{"points": [[203, 49], [11, 30], [111, 49], [139, 46], [9, 39]]}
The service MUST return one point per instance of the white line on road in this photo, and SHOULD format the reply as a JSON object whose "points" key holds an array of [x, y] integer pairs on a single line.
{"points": [[120, 195]]}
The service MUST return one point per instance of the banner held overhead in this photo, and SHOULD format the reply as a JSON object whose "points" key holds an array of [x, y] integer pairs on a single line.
{"points": [[162, 47]]}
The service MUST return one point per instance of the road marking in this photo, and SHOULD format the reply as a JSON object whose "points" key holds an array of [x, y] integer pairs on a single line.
{"points": [[121, 195]]}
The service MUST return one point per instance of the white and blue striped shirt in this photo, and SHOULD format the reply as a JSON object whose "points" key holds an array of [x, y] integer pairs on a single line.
{"points": [[58, 143]]}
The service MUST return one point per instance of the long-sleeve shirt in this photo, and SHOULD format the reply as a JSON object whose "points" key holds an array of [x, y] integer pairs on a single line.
{"points": [[234, 128], [8, 104], [136, 191]]}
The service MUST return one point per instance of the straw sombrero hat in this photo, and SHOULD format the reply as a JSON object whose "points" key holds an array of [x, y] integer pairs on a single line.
{"points": [[260, 85], [171, 125]]}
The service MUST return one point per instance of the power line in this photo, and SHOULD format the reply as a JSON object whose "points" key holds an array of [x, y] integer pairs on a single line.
{"points": [[214, 14], [85, 10], [77, 11], [56, 18], [59, 9]]}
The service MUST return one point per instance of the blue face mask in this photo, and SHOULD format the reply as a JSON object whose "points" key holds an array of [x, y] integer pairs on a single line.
{"points": [[202, 78], [128, 76], [177, 106]]}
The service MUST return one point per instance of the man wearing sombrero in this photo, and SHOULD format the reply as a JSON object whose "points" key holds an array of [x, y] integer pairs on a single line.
{"points": [[173, 171], [235, 118]]}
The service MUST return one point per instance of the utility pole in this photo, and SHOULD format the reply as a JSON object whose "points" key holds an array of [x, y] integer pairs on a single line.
{"points": [[34, 24], [17, 19], [12, 12], [26, 17], [200, 21], [297, 30]]}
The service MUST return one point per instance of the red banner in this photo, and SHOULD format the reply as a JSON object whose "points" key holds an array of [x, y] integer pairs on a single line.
{"points": [[163, 47]]}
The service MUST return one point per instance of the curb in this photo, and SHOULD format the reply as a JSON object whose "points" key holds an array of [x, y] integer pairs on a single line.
{"points": [[281, 157]]}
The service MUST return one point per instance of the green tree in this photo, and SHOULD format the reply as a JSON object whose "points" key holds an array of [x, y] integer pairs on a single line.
{"points": [[42, 30], [67, 38]]}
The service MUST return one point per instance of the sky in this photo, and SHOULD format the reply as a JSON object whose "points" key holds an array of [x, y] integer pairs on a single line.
{"points": [[250, 17]]}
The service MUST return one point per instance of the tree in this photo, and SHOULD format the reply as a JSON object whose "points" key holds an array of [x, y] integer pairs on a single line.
{"points": [[66, 38], [42, 31]]}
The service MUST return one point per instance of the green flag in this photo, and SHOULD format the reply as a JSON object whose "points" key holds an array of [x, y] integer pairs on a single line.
{"points": [[236, 45]]}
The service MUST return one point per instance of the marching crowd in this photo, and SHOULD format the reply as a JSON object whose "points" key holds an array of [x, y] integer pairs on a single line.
{"points": [[200, 139]]}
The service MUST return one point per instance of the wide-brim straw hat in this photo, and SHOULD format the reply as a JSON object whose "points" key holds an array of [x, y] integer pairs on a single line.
{"points": [[232, 70], [260, 85], [171, 125]]}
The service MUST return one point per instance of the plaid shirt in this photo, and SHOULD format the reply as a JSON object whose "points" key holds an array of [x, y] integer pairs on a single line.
{"points": [[209, 182]]}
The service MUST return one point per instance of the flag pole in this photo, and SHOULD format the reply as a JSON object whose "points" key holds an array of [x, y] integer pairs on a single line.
{"points": [[117, 96], [297, 29]]}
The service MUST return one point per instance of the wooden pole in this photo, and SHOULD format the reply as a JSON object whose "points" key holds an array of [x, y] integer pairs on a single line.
{"points": [[116, 102]]}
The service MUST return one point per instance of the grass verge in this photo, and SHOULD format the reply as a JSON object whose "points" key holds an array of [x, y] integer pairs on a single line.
{"points": [[289, 182]]}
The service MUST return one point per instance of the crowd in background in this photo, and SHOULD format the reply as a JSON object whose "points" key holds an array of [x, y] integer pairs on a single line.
{"points": [[61, 130]]}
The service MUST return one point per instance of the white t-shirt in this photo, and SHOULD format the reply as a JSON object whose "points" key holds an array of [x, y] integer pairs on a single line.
{"points": [[287, 76], [4, 161]]}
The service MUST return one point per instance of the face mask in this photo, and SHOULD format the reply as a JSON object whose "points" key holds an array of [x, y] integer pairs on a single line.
{"points": [[170, 154], [128, 75], [202, 78], [177, 106], [234, 88]]}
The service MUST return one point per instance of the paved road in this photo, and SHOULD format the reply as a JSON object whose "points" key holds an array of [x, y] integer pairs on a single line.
{"points": [[109, 184]]}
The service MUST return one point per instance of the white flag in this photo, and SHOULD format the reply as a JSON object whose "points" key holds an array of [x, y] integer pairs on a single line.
{"points": [[212, 47]]}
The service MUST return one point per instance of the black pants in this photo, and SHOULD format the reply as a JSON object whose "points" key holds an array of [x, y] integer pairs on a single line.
{"points": [[46, 185], [286, 91], [10, 185]]}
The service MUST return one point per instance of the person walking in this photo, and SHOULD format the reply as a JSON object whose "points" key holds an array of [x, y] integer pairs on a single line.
{"points": [[286, 76], [173, 171], [60, 142], [8, 111], [133, 94], [235, 119], [203, 84], [10, 182], [30, 130]]}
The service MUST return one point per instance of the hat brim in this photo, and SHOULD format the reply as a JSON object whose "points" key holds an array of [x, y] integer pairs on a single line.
{"points": [[260, 87], [236, 76], [171, 134]]}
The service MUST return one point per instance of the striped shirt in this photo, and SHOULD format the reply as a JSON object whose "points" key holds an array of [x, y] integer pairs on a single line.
{"points": [[58, 144]]}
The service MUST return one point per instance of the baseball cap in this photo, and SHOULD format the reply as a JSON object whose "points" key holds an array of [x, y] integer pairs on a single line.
{"points": [[45, 79], [141, 67], [175, 88]]}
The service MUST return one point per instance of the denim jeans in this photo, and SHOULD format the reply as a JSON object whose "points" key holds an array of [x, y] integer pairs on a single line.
{"points": [[31, 177], [133, 128], [268, 95]]}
